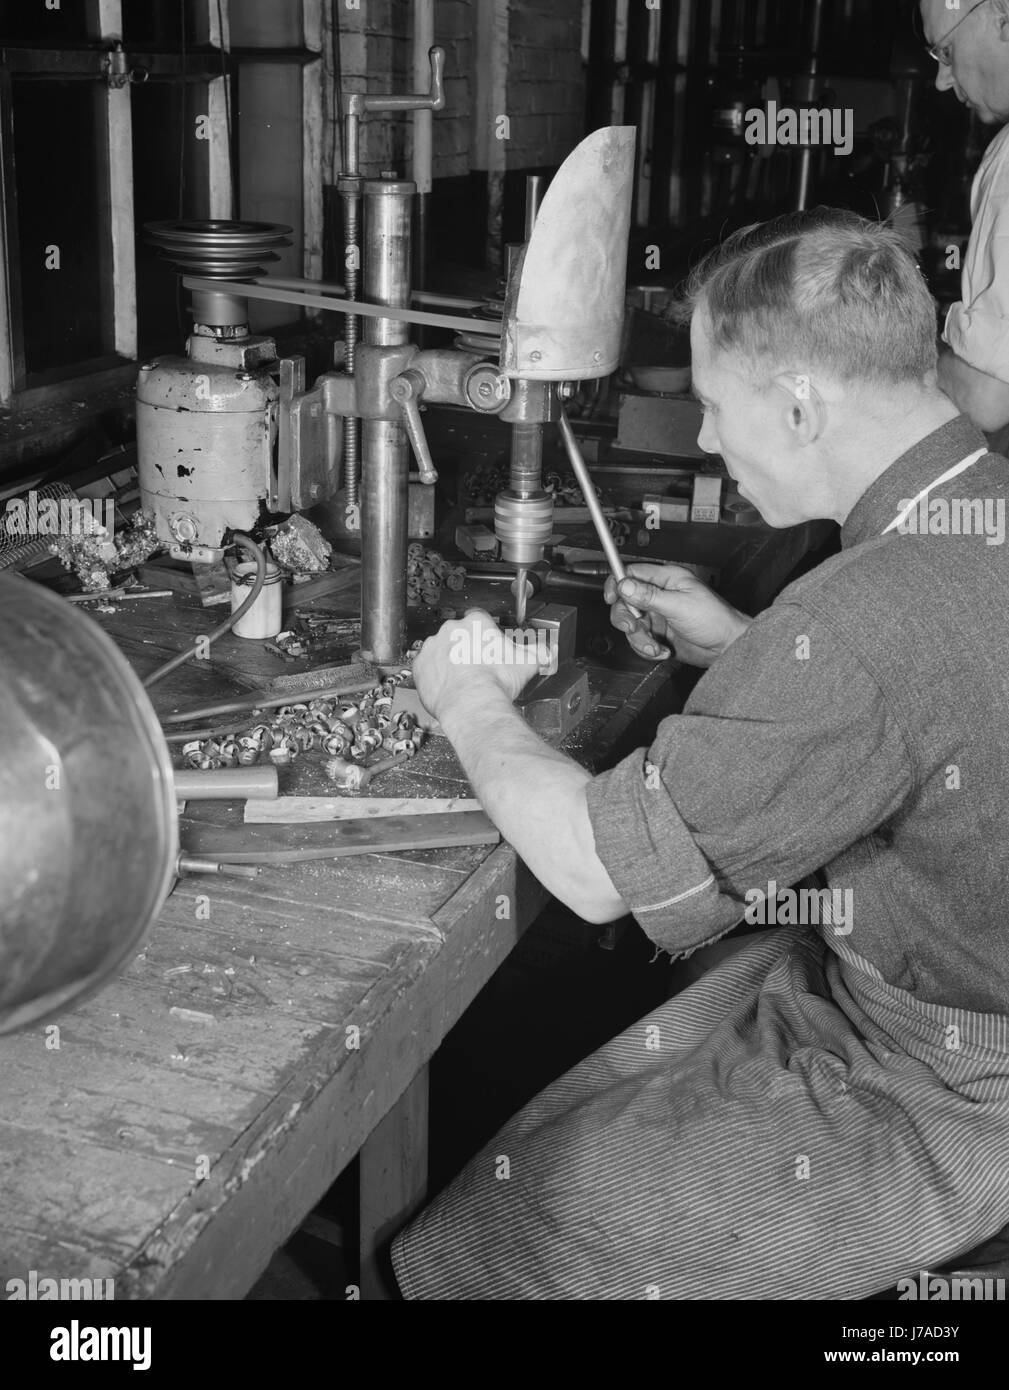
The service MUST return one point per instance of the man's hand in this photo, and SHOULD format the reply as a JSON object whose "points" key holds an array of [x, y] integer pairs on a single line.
{"points": [[468, 655], [678, 610]]}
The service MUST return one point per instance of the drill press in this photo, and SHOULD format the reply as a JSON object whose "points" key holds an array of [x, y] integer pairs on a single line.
{"points": [[256, 440], [563, 322]]}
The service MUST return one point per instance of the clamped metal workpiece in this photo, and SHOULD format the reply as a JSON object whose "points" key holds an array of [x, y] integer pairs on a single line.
{"points": [[553, 704]]}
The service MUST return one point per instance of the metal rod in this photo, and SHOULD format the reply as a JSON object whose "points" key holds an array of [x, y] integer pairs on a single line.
{"points": [[189, 864], [535, 188], [581, 472], [351, 425]]}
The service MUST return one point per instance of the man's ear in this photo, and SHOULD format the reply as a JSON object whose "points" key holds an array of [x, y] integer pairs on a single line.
{"points": [[807, 414], [1000, 9]]}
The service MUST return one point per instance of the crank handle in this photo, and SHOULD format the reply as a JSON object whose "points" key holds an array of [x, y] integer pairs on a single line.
{"points": [[432, 100], [407, 390]]}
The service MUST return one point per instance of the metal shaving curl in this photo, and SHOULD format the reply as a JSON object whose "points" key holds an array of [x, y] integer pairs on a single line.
{"points": [[94, 556]]}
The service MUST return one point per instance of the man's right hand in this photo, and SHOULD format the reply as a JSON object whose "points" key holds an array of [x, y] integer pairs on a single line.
{"points": [[679, 611]]}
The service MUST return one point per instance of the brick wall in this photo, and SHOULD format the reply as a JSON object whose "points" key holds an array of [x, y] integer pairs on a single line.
{"points": [[455, 31], [545, 93], [538, 83], [546, 81], [375, 54], [376, 46]]}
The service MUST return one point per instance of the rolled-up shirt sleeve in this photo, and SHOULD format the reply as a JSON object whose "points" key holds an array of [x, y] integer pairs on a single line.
{"points": [[977, 328], [787, 753]]}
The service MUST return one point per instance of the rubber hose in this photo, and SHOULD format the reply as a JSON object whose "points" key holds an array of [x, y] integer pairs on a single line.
{"points": [[257, 588]]}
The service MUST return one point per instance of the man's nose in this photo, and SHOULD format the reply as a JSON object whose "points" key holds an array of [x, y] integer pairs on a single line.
{"points": [[944, 78]]}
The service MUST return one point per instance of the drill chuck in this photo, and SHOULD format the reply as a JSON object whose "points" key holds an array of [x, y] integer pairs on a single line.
{"points": [[524, 526]]}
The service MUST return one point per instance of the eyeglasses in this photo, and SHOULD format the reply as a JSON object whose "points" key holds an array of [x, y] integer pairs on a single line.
{"points": [[942, 51]]}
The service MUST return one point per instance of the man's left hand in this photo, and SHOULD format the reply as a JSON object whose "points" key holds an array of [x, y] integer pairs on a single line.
{"points": [[470, 654]]}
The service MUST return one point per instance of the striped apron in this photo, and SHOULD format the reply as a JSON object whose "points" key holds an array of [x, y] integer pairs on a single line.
{"points": [[790, 1127]]}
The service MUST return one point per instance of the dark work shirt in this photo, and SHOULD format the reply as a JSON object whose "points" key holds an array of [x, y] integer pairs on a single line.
{"points": [[859, 727]]}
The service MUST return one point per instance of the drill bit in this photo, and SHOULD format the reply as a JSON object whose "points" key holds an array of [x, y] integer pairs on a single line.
{"points": [[521, 594]]}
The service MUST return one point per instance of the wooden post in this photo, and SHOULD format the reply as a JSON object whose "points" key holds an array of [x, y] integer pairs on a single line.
{"points": [[393, 1181]]}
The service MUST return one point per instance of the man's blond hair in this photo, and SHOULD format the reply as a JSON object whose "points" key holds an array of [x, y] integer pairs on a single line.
{"points": [[825, 289]]}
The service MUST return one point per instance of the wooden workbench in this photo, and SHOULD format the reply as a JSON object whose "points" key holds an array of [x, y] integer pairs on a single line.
{"points": [[174, 1152]]}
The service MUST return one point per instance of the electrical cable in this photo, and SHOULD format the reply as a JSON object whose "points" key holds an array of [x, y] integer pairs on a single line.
{"points": [[257, 587]]}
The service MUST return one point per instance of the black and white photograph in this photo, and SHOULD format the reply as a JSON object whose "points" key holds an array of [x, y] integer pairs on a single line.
{"points": [[504, 673]]}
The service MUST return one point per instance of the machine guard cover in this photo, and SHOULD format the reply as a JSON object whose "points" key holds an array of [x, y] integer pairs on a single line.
{"points": [[564, 311]]}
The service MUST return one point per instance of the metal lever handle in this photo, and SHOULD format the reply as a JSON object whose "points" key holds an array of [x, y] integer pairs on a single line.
{"points": [[433, 100], [407, 390], [584, 480]]}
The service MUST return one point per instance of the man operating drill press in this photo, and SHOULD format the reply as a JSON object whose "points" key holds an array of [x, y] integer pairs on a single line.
{"points": [[794, 1125]]}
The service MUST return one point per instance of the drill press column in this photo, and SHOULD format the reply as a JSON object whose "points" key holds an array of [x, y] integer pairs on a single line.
{"points": [[388, 204]]}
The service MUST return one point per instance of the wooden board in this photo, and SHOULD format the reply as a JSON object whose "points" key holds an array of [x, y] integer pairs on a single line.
{"points": [[248, 844], [300, 810]]}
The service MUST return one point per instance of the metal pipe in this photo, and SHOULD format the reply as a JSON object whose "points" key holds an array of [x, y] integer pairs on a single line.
{"points": [[423, 133], [384, 515], [385, 478], [808, 96]]}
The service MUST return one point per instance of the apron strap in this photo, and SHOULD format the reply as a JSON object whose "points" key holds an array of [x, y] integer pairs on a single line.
{"points": [[946, 477]]}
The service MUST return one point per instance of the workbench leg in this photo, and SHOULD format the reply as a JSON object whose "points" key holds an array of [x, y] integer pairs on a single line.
{"points": [[393, 1181]]}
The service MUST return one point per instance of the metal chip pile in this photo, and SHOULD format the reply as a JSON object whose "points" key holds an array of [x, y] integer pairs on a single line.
{"points": [[335, 727], [94, 556], [427, 572]]}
